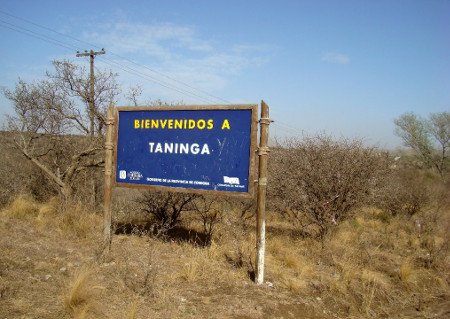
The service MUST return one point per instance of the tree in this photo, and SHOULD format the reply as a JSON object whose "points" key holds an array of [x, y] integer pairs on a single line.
{"points": [[74, 81], [429, 138], [52, 119]]}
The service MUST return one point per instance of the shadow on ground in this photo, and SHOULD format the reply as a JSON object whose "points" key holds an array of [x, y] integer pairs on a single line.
{"points": [[178, 233]]}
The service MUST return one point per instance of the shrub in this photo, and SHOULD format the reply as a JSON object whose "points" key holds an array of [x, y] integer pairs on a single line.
{"points": [[209, 215], [318, 180], [165, 208], [406, 192], [19, 176]]}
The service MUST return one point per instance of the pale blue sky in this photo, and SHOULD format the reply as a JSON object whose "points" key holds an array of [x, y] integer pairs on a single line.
{"points": [[347, 68]]}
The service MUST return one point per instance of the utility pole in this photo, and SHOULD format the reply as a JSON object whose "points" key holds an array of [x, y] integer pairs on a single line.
{"points": [[91, 54]]}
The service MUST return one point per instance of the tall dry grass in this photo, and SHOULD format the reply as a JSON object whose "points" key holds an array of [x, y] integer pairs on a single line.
{"points": [[378, 266], [132, 311], [22, 207], [73, 220], [81, 298]]}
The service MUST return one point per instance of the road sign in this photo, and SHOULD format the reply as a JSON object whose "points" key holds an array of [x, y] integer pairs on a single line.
{"points": [[188, 148]]}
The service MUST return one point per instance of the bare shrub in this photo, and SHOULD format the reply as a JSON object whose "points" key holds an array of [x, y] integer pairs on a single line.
{"points": [[238, 241], [406, 192], [19, 176], [432, 226], [316, 181], [245, 207], [209, 214], [144, 279], [165, 208]]}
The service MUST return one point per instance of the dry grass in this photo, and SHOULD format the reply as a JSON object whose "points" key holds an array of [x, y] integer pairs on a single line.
{"points": [[23, 207], [80, 299], [48, 211], [73, 220], [377, 265], [132, 310], [190, 271], [370, 266], [76, 221], [288, 265]]}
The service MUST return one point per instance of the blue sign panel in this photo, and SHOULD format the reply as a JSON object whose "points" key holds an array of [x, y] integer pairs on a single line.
{"points": [[199, 149]]}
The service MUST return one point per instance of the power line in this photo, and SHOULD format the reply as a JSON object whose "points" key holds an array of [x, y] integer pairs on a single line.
{"points": [[281, 125], [288, 127], [170, 78], [149, 78], [118, 65], [124, 58], [35, 35]]}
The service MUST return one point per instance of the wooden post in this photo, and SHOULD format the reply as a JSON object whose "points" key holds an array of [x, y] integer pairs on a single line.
{"points": [[109, 146], [261, 196]]}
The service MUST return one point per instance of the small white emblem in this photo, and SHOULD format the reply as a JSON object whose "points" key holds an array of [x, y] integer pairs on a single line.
{"points": [[231, 180]]}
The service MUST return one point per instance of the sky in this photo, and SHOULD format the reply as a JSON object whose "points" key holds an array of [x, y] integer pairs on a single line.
{"points": [[344, 68]]}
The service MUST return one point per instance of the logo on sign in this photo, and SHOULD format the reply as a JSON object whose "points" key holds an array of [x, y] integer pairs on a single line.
{"points": [[231, 180], [122, 174], [135, 175]]}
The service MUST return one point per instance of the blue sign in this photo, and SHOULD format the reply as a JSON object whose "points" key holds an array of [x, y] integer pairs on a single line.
{"points": [[197, 149]]}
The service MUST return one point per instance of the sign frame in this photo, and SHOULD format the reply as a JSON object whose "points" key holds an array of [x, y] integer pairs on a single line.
{"points": [[252, 169]]}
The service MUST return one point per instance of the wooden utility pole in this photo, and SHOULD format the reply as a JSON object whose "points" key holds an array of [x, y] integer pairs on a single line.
{"points": [[109, 147], [263, 153], [92, 111], [91, 54]]}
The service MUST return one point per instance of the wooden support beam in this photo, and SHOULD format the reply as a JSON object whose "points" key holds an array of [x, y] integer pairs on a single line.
{"points": [[261, 196], [107, 209]]}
